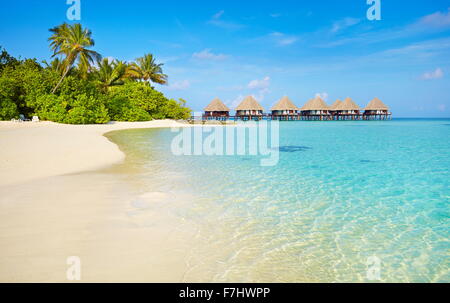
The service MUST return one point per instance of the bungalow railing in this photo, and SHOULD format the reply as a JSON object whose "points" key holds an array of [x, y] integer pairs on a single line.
{"points": [[332, 116]]}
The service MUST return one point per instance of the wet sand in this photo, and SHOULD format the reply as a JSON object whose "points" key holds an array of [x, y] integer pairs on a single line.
{"points": [[58, 199]]}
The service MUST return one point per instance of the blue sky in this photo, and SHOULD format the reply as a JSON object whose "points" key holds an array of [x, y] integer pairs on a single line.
{"points": [[230, 49]]}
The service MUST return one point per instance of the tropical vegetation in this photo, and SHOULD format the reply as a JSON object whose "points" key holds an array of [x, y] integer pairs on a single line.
{"points": [[79, 86]]}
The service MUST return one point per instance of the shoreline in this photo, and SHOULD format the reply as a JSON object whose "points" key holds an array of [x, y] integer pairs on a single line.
{"points": [[57, 201], [32, 151], [129, 225]]}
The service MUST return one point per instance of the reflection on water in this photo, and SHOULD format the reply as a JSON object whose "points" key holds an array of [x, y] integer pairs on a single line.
{"points": [[293, 149], [338, 196]]}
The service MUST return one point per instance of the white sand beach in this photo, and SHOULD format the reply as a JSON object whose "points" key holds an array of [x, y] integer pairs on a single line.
{"points": [[36, 150], [50, 210]]}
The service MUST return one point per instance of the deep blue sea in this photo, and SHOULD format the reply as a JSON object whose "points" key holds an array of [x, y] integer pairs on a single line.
{"points": [[346, 202]]}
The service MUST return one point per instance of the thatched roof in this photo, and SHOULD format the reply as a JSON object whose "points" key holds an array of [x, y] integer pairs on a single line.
{"points": [[348, 104], [307, 104], [216, 105], [249, 103], [376, 104], [315, 104], [335, 105], [284, 104]]}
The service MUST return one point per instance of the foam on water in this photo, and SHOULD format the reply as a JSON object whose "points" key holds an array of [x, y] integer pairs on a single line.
{"points": [[339, 195]]}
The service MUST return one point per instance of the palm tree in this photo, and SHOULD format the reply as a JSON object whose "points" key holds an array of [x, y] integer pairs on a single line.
{"points": [[146, 69], [73, 42], [55, 65], [111, 74]]}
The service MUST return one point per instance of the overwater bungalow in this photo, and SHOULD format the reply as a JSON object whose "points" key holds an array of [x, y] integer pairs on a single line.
{"points": [[315, 109], [334, 107], [216, 110], [376, 110], [348, 110], [249, 109], [285, 109]]}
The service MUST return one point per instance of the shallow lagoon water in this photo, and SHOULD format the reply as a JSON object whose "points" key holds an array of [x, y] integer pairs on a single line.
{"points": [[342, 192]]}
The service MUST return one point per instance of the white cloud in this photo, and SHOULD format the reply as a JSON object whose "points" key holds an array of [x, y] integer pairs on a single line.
{"points": [[323, 96], [275, 15], [261, 94], [218, 21], [282, 39], [276, 34], [259, 84], [180, 85], [168, 59], [232, 104], [287, 41], [436, 74], [206, 54], [262, 85], [436, 20], [260, 88], [218, 14], [343, 24], [276, 38]]}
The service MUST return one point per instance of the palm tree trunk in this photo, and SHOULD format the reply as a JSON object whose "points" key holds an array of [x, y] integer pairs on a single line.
{"points": [[61, 80]]}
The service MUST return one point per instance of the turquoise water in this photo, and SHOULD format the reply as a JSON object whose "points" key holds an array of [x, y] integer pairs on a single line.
{"points": [[341, 192]]}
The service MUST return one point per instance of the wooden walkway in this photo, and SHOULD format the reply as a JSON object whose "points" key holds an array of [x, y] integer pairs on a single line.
{"points": [[299, 117]]}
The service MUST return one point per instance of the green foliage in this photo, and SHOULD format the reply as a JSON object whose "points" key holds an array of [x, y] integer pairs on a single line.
{"points": [[6, 59], [121, 109], [8, 109], [136, 101], [21, 85], [83, 95], [87, 110], [176, 110], [110, 74], [73, 42], [78, 102], [8, 93], [56, 65], [82, 109], [148, 70]]}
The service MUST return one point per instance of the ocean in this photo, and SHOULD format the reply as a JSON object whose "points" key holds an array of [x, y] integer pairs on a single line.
{"points": [[356, 201]]}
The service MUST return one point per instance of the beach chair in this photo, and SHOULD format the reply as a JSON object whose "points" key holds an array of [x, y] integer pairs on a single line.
{"points": [[22, 118], [35, 119]]}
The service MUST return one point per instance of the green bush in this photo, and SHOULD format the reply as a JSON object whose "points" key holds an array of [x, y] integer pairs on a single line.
{"points": [[8, 109], [8, 93], [87, 110], [6, 59], [26, 88], [121, 109], [176, 110], [136, 101], [22, 84], [51, 107], [81, 109]]}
